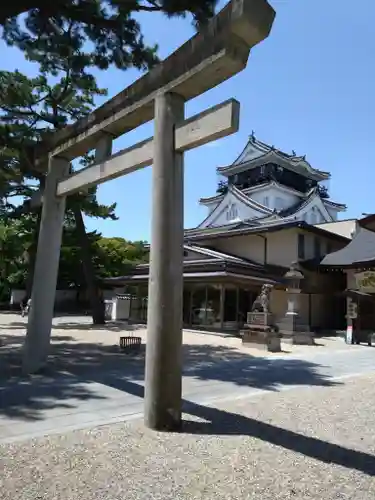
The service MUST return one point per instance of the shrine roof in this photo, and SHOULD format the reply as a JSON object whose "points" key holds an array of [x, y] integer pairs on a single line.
{"points": [[359, 251]]}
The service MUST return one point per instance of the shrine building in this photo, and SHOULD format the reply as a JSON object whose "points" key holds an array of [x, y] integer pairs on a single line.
{"points": [[271, 208]]}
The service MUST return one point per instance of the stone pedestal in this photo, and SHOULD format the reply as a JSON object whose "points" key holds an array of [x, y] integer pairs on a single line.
{"points": [[259, 319], [294, 331], [292, 328], [261, 333]]}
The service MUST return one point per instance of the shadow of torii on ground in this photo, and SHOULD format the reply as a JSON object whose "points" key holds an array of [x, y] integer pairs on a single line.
{"points": [[76, 369], [72, 366]]}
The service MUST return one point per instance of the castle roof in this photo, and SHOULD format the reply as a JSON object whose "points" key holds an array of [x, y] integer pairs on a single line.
{"points": [[257, 153], [253, 189], [252, 227], [266, 213]]}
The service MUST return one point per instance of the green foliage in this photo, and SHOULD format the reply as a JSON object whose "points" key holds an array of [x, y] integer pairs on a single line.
{"points": [[66, 39], [109, 25], [32, 108], [111, 256], [117, 256], [15, 239]]}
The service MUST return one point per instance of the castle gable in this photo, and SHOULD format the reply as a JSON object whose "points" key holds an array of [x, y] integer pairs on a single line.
{"points": [[234, 206]]}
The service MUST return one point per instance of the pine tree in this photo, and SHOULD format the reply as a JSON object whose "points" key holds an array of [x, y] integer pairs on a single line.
{"points": [[107, 23], [55, 35]]}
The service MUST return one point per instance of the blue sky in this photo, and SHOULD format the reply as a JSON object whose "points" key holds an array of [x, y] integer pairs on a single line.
{"points": [[309, 87]]}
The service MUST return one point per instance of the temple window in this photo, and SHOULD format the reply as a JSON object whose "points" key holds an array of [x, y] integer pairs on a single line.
{"points": [[232, 212], [279, 203], [313, 217]]}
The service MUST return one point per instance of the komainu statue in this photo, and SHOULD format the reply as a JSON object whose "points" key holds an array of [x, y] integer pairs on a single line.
{"points": [[262, 302]]}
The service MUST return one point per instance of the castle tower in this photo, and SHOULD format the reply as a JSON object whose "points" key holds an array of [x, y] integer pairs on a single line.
{"points": [[265, 185]]}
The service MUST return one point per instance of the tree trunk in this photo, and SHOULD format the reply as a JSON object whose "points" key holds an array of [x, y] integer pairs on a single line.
{"points": [[96, 302], [31, 257], [32, 250]]}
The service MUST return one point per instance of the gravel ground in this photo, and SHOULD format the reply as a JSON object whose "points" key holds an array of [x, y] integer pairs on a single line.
{"points": [[309, 443], [78, 330]]}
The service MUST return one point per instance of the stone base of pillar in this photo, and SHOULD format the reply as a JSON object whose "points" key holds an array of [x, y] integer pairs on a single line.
{"points": [[260, 332], [261, 339], [294, 331], [298, 338]]}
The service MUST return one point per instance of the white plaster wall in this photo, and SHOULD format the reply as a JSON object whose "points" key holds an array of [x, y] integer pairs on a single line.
{"points": [[314, 213], [242, 212], [277, 197], [248, 246], [309, 245], [249, 154], [278, 304], [61, 296], [327, 245], [341, 227], [194, 255], [281, 247], [64, 295], [121, 309]]}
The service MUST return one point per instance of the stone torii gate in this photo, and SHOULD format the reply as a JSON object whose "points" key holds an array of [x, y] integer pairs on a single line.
{"points": [[211, 56]]}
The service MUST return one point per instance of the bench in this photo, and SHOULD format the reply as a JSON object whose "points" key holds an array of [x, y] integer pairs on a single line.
{"points": [[130, 343]]}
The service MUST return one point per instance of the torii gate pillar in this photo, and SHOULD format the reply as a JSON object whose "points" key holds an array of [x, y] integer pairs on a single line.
{"points": [[37, 340], [164, 318]]}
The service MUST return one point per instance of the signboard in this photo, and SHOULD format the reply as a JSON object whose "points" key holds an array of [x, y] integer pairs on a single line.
{"points": [[352, 309], [365, 281], [349, 335]]}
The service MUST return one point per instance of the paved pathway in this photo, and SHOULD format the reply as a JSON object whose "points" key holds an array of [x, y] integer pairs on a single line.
{"points": [[89, 384]]}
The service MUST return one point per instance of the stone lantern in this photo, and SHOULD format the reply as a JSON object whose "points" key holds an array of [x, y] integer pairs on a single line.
{"points": [[292, 327]]}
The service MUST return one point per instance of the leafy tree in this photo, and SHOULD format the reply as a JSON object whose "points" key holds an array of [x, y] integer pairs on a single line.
{"points": [[110, 256], [67, 40], [37, 106], [12, 247], [116, 256]]}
